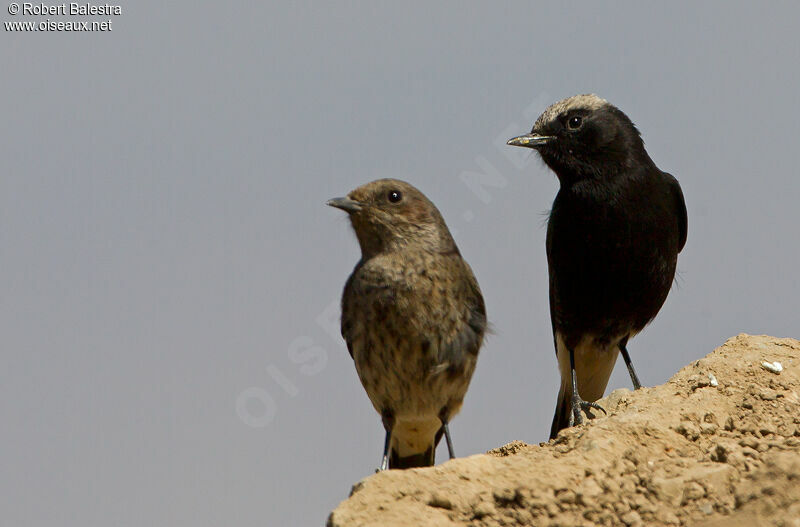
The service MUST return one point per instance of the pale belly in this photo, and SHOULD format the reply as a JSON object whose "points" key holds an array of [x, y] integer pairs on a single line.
{"points": [[594, 363], [415, 388]]}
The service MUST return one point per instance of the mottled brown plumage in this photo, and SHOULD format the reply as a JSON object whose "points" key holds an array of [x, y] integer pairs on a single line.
{"points": [[412, 315]]}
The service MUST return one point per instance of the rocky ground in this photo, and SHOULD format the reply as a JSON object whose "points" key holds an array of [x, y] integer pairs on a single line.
{"points": [[717, 445]]}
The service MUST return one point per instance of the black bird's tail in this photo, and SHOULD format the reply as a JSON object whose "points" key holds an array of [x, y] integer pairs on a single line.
{"points": [[425, 459], [563, 411]]}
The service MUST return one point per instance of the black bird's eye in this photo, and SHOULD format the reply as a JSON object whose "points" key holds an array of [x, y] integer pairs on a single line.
{"points": [[574, 122], [395, 196]]}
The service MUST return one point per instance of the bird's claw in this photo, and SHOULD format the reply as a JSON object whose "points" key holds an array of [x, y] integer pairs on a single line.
{"points": [[579, 404]]}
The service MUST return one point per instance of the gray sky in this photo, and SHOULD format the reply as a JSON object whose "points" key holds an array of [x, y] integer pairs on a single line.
{"points": [[166, 251]]}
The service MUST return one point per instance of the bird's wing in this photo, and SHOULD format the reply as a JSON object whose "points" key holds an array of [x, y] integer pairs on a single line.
{"points": [[468, 336], [680, 207]]}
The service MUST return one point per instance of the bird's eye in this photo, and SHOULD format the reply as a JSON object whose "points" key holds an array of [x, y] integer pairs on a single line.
{"points": [[574, 122], [395, 196]]}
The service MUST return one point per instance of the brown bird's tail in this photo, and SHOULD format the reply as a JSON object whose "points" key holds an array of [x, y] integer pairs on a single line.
{"points": [[414, 442], [425, 459]]}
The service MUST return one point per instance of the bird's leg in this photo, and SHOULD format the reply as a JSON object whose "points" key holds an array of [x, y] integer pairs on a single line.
{"points": [[385, 458], [388, 424], [578, 404], [634, 378], [446, 429], [449, 441]]}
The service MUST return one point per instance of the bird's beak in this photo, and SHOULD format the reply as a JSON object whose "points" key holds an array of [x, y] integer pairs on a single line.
{"points": [[346, 204], [530, 140]]}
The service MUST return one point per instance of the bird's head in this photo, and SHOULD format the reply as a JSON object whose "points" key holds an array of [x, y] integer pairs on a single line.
{"points": [[392, 215], [584, 137]]}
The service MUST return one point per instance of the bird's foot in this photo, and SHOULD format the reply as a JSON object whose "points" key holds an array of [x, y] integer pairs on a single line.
{"points": [[384, 464], [578, 404]]}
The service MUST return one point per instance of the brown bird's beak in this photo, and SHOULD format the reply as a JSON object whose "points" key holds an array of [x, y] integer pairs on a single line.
{"points": [[530, 140], [346, 204]]}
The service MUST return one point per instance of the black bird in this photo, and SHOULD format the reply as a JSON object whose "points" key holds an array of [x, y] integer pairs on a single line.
{"points": [[613, 237]]}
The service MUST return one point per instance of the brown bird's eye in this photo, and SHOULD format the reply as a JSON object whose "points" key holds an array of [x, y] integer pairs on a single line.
{"points": [[395, 196], [574, 122]]}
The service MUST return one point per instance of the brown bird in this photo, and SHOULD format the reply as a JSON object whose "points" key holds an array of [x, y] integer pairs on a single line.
{"points": [[413, 318]]}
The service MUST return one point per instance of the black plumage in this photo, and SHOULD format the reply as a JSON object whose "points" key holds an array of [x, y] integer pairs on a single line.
{"points": [[613, 237]]}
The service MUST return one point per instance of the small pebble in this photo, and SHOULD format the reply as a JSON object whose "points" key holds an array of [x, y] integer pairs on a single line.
{"points": [[631, 519], [712, 380], [768, 395], [483, 509], [775, 367], [440, 501]]}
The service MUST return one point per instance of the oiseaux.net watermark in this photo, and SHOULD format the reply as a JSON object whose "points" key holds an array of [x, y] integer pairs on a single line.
{"points": [[63, 17], [257, 406]]}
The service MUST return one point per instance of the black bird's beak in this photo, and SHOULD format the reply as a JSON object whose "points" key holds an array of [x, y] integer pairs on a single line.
{"points": [[530, 140], [346, 204]]}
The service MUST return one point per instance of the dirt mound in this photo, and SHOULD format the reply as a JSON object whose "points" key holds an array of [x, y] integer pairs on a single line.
{"points": [[717, 445]]}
